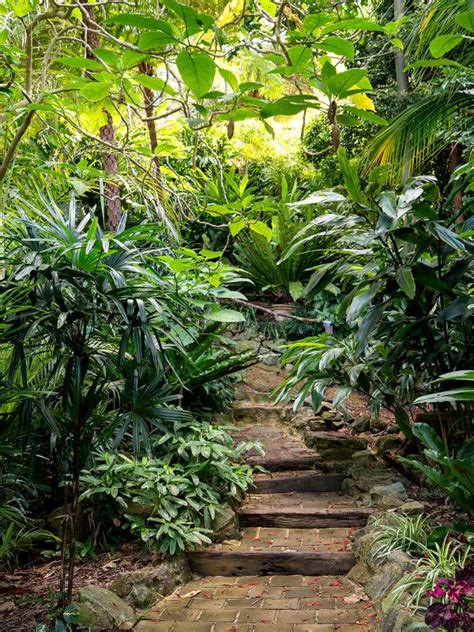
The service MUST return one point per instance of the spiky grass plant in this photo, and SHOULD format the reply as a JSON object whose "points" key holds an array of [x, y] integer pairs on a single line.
{"points": [[440, 560], [401, 532]]}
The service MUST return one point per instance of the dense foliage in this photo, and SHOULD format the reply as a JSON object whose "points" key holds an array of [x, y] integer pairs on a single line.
{"points": [[161, 164]]}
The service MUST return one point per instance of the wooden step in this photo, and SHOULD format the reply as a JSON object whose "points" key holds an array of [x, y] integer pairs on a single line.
{"points": [[303, 517], [299, 481], [281, 463], [239, 563]]}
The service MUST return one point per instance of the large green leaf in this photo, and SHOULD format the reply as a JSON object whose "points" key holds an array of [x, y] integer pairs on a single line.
{"points": [[80, 62], [354, 24], [337, 45], [365, 115], [288, 106], [428, 437], [466, 20], [96, 90], [443, 44], [154, 83], [406, 281], [197, 70], [21, 8], [361, 301], [340, 84], [225, 316], [262, 229], [351, 177], [151, 40], [465, 394], [300, 56], [194, 22], [466, 374]]}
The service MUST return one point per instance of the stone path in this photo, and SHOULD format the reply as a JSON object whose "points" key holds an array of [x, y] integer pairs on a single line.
{"points": [[287, 573]]}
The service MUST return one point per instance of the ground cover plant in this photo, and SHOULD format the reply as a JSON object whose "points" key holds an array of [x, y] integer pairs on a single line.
{"points": [[162, 164]]}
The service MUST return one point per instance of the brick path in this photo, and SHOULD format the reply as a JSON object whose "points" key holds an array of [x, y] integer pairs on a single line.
{"points": [[275, 599], [280, 603]]}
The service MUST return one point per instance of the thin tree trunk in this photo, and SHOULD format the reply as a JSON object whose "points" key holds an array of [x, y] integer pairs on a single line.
{"points": [[149, 98], [113, 202], [112, 189], [400, 74], [454, 162]]}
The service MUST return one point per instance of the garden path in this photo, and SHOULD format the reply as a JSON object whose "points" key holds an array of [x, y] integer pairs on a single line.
{"points": [[287, 572]]}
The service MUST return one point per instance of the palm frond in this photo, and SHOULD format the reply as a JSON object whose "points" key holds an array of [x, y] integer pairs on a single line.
{"points": [[419, 133]]}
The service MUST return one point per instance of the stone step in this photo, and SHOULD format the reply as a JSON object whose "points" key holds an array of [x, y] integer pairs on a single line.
{"points": [[297, 481], [269, 562]]}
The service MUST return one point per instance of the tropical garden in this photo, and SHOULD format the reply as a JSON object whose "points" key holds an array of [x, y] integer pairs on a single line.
{"points": [[172, 171]]}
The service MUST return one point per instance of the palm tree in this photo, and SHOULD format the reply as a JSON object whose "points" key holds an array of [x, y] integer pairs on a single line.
{"points": [[425, 128]]}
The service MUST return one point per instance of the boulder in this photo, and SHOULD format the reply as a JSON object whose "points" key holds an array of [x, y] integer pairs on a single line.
{"points": [[274, 345], [378, 423], [388, 496], [364, 458], [387, 575], [413, 508], [225, 525], [271, 359], [387, 443], [362, 424], [396, 619], [247, 345], [102, 609], [368, 473], [305, 420], [141, 588], [335, 445]]}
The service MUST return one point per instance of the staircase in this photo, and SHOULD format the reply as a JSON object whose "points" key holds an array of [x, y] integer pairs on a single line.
{"points": [[286, 573], [294, 522]]}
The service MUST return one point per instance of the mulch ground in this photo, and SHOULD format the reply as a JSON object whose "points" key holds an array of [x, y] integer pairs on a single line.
{"points": [[28, 593]]}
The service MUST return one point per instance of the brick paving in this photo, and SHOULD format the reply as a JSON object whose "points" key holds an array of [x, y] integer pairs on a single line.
{"points": [[277, 539], [281, 603]]}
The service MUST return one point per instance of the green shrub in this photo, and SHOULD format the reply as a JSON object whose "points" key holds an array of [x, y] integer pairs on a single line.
{"points": [[453, 475], [170, 500]]}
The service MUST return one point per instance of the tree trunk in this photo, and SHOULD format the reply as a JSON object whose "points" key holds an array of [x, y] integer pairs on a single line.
{"points": [[149, 97], [454, 162], [113, 202], [400, 74]]}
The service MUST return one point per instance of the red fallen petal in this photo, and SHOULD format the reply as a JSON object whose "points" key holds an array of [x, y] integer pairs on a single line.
{"points": [[154, 620], [231, 630]]}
